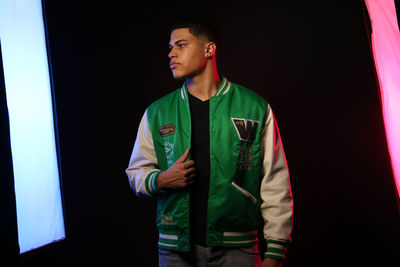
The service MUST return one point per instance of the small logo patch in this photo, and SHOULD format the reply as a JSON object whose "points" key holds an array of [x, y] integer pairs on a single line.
{"points": [[166, 130]]}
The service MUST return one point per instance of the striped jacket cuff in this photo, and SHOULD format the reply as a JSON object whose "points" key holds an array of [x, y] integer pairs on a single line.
{"points": [[276, 249], [151, 183]]}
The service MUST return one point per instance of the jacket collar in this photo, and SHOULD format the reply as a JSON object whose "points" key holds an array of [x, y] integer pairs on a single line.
{"points": [[222, 90]]}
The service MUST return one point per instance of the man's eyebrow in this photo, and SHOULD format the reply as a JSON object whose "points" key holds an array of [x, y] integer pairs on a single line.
{"points": [[178, 42]]}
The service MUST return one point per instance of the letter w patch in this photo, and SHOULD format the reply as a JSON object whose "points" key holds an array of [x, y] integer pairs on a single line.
{"points": [[246, 129]]}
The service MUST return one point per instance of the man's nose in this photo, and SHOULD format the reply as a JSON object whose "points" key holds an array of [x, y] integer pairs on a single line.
{"points": [[172, 53]]}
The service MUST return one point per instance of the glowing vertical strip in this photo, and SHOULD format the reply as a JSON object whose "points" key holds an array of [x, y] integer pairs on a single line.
{"points": [[26, 72], [385, 41]]}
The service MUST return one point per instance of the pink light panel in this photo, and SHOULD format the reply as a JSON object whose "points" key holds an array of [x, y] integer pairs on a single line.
{"points": [[385, 42]]}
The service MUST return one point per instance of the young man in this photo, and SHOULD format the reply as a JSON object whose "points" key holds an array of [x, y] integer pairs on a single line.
{"points": [[212, 154]]}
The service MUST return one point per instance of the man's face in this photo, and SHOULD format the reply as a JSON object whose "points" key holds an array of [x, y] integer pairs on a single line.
{"points": [[187, 53]]}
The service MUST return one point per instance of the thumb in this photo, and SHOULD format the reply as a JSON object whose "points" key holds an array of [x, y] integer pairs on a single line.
{"points": [[184, 156]]}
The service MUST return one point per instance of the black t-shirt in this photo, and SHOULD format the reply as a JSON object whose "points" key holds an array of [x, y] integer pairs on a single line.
{"points": [[200, 153]]}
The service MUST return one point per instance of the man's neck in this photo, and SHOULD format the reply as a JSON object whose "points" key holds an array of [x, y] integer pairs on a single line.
{"points": [[204, 85]]}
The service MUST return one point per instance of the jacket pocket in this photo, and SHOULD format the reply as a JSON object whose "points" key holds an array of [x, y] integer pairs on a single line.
{"points": [[246, 194]]}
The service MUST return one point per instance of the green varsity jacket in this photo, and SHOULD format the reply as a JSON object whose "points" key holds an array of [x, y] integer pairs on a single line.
{"points": [[249, 176]]}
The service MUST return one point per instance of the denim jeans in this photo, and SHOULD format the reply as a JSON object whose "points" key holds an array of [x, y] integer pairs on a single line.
{"points": [[200, 256]]}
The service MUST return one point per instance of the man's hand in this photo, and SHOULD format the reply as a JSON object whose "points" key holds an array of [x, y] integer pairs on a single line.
{"points": [[270, 262], [180, 174]]}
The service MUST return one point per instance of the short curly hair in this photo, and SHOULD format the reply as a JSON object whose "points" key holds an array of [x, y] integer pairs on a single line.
{"points": [[199, 26]]}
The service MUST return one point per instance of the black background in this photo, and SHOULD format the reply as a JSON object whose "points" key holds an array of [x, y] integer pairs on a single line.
{"points": [[311, 61]]}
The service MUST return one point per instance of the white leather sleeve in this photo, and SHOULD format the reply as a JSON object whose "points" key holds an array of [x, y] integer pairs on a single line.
{"points": [[275, 191], [143, 169]]}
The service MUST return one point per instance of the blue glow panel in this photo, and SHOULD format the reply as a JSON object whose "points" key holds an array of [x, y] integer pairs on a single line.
{"points": [[26, 72]]}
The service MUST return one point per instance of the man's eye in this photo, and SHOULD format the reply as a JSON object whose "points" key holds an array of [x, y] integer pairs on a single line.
{"points": [[182, 45]]}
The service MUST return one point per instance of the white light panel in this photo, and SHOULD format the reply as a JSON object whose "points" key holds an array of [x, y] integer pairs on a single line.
{"points": [[26, 72]]}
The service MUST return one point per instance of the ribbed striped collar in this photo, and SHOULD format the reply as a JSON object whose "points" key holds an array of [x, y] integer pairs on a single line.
{"points": [[222, 90]]}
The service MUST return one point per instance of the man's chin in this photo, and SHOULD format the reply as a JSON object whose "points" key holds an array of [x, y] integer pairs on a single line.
{"points": [[179, 77]]}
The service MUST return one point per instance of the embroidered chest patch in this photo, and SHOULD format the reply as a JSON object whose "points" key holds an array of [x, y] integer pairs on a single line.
{"points": [[246, 158], [245, 128], [169, 152], [166, 220], [166, 130]]}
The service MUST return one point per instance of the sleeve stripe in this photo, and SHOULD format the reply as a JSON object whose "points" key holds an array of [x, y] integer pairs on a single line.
{"points": [[153, 182], [274, 256], [148, 183], [276, 250], [282, 243]]}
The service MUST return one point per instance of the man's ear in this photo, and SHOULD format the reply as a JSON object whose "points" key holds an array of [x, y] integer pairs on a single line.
{"points": [[211, 49]]}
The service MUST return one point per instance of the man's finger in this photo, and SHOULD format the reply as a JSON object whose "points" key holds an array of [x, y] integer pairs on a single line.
{"points": [[188, 164], [184, 156], [190, 170]]}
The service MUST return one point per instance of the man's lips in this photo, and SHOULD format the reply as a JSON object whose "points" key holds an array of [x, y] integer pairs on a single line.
{"points": [[173, 65]]}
